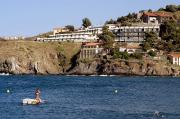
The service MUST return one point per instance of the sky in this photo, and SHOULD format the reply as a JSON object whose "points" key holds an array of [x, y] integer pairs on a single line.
{"points": [[32, 17]]}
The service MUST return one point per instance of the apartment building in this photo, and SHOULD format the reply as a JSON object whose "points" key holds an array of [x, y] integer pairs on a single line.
{"points": [[134, 33], [94, 30], [71, 37]]}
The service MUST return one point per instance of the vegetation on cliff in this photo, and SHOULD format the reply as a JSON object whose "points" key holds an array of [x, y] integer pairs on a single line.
{"points": [[107, 37]]}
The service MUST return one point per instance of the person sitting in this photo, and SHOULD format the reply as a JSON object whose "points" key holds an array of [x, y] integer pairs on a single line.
{"points": [[37, 96]]}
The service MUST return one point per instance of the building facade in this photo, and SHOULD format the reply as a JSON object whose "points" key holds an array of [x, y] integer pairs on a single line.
{"points": [[94, 30], [89, 50], [71, 37], [156, 17], [175, 58], [134, 33], [130, 49], [60, 30]]}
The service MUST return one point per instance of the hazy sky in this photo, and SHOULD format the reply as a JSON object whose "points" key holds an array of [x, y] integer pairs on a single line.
{"points": [[30, 17]]}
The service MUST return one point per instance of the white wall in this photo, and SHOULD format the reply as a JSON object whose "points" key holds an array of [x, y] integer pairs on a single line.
{"points": [[176, 61]]}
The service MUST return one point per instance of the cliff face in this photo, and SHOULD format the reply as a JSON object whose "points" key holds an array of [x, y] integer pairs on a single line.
{"points": [[28, 57], [12, 65], [112, 67]]}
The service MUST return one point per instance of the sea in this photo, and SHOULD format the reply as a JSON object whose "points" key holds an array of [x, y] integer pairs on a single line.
{"points": [[90, 97]]}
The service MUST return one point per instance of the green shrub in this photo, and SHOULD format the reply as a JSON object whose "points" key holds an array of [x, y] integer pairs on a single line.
{"points": [[152, 53], [122, 55], [136, 55]]}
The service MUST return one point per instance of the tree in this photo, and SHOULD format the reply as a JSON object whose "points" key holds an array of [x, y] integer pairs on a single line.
{"points": [[136, 55], [107, 37], [152, 53], [121, 19], [161, 9], [129, 16], [111, 21], [70, 27], [151, 39], [146, 46], [171, 8], [86, 22], [122, 55], [150, 10], [170, 34]]}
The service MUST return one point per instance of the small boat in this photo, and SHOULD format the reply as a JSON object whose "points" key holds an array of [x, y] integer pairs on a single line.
{"points": [[29, 101]]}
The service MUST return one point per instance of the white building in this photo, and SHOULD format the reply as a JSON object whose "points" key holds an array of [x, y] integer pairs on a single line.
{"points": [[130, 49], [90, 49], [73, 37], [14, 38], [175, 58], [134, 33], [94, 30], [123, 33]]}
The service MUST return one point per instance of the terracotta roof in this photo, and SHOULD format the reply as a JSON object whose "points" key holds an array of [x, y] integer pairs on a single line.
{"points": [[150, 14], [91, 44], [162, 14], [175, 54]]}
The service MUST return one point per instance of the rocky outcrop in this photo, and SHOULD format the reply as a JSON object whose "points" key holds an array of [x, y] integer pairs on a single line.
{"points": [[114, 67], [97, 67], [13, 66]]}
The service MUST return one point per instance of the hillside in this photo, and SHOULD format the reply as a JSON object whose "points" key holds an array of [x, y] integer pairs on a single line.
{"points": [[24, 57]]}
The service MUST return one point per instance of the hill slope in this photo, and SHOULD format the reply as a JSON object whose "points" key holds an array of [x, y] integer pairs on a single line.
{"points": [[24, 57]]}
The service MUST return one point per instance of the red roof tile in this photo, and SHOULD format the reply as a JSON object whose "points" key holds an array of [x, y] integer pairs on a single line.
{"points": [[175, 55], [150, 14], [162, 14]]}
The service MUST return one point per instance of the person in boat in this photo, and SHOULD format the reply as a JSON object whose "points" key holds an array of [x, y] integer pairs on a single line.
{"points": [[37, 95]]}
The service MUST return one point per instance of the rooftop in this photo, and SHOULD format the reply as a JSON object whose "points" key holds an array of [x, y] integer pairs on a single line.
{"points": [[175, 54], [155, 14], [150, 14]]}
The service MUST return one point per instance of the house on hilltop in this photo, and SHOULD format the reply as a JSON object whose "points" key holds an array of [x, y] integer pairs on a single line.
{"points": [[156, 17]]}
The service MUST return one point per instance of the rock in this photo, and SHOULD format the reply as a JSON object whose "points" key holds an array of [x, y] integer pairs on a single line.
{"points": [[111, 67], [85, 68]]}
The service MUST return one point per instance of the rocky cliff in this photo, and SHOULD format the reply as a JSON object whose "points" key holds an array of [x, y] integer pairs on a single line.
{"points": [[29, 57], [115, 67]]}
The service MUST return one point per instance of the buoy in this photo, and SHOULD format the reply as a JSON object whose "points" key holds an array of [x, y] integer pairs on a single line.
{"points": [[8, 91], [116, 91]]}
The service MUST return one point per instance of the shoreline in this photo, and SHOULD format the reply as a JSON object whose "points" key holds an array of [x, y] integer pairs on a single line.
{"points": [[74, 75]]}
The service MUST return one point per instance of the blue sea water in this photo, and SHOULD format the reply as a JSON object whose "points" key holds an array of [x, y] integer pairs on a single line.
{"points": [[80, 97]]}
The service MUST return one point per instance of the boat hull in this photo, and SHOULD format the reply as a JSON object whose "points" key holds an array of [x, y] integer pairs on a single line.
{"points": [[28, 101]]}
